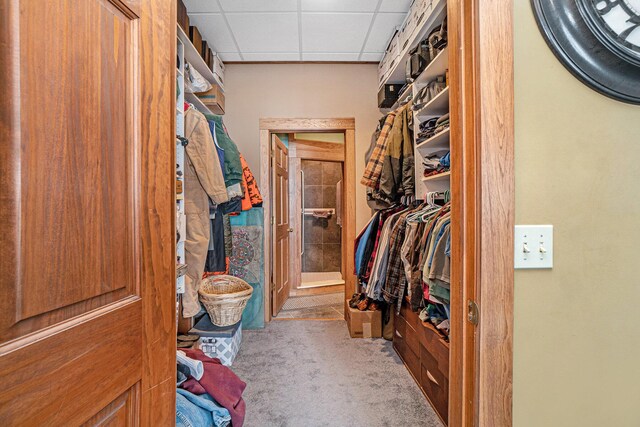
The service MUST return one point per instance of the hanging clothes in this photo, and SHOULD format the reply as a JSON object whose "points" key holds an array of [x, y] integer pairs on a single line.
{"points": [[232, 165], [397, 178], [203, 180], [252, 197]]}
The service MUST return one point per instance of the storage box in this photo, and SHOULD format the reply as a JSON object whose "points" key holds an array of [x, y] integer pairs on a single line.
{"points": [[196, 38], [218, 342], [183, 18], [218, 69], [214, 99], [204, 50], [388, 95], [364, 324]]}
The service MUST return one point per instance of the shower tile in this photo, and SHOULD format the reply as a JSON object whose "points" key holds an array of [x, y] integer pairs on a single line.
{"points": [[312, 196], [312, 232], [312, 172], [331, 173], [332, 233], [329, 196], [332, 257], [312, 257]]}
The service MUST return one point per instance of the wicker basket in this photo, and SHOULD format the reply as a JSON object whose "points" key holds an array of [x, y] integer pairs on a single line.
{"points": [[224, 298]]}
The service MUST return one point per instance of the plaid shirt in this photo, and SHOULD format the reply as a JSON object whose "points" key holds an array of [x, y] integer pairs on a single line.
{"points": [[372, 172], [396, 280], [383, 217]]}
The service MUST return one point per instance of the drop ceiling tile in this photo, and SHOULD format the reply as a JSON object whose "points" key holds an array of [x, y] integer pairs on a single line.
{"points": [[343, 56], [382, 30], [334, 32], [372, 56], [265, 32], [395, 6], [229, 56], [259, 5], [266, 56], [201, 6], [339, 5], [214, 30]]}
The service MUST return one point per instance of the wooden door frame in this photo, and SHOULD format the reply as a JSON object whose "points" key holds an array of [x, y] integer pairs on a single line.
{"points": [[481, 358], [347, 126]]}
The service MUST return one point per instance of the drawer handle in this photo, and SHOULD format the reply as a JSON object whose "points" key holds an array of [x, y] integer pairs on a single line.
{"points": [[431, 378]]}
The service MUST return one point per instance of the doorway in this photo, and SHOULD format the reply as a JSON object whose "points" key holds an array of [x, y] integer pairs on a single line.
{"points": [[311, 277], [316, 170]]}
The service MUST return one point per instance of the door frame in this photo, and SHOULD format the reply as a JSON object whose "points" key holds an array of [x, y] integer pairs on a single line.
{"points": [[482, 103], [347, 126]]}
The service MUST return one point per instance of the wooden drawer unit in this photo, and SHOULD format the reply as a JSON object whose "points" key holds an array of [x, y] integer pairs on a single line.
{"points": [[434, 380], [426, 355]]}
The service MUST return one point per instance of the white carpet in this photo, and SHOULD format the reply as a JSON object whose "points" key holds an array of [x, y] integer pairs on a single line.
{"points": [[312, 374]]}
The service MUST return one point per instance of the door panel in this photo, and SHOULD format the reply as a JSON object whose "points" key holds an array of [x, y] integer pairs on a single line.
{"points": [[281, 224], [87, 317], [76, 177]]}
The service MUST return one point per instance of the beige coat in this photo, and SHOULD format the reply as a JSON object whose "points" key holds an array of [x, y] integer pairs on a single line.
{"points": [[203, 179]]}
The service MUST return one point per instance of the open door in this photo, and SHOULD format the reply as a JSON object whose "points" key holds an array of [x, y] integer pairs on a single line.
{"points": [[281, 225], [87, 313]]}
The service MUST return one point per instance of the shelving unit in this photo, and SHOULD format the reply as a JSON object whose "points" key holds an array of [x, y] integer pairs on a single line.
{"points": [[192, 56], [437, 13], [193, 99], [438, 106], [180, 214], [437, 142], [439, 177]]}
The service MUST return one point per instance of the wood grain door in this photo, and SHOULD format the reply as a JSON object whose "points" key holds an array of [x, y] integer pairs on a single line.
{"points": [[87, 312], [281, 225]]}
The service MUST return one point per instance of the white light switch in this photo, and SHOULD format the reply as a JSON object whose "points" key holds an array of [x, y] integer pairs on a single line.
{"points": [[534, 246]]}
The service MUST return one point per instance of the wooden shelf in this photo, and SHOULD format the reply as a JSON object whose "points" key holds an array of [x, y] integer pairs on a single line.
{"points": [[397, 75], [179, 71], [437, 67], [439, 141], [438, 106], [193, 99], [439, 177], [192, 56]]}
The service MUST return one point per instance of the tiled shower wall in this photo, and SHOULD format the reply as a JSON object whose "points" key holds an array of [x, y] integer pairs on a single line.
{"points": [[322, 248]]}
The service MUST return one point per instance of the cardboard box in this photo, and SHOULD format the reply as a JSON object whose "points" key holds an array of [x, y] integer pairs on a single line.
{"points": [[183, 18], [196, 38], [218, 69], [204, 51], [214, 99], [364, 324]]}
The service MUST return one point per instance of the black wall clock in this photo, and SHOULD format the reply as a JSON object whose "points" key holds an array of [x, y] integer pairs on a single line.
{"points": [[597, 40]]}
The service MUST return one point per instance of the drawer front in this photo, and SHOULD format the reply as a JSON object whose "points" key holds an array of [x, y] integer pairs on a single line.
{"points": [[436, 387], [399, 342], [409, 316], [412, 340]]}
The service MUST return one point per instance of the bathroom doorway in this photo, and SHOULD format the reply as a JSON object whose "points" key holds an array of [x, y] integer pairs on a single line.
{"points": [[316, 164], [313, 140]]}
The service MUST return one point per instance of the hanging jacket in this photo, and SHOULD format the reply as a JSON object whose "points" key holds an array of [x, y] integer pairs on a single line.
{"points": [[252, 196], [371, 176], [232, 165], [397, 178], [203, 166]]}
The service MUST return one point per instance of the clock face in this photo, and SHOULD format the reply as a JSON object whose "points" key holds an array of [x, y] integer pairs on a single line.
{"points": [[616, 23]]}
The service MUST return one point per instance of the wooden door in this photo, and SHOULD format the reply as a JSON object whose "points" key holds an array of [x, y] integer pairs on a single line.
{"points": [[87, 313], [281, 225]]}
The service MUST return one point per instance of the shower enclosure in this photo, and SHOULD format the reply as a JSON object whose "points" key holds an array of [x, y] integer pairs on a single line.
{"points": [[321, 248]]}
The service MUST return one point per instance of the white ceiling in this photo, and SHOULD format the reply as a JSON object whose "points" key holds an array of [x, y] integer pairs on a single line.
{"points": [[297, 30]]}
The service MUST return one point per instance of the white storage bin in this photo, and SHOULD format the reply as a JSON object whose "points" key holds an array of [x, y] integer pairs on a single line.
{"points": [[218, 342]]}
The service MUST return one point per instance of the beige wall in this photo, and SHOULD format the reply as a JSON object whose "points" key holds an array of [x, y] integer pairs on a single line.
{"points": [[577, 327], [254, 91]]}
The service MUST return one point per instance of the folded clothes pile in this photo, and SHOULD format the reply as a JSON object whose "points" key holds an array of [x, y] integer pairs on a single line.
{"points": [[433, 126], [208, 394], [438, 162]]}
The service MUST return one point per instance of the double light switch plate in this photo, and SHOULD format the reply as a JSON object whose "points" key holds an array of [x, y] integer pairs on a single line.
{"points": [[533, 246]]}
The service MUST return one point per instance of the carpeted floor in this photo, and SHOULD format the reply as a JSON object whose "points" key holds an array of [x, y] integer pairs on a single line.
{"points": [[304, 373]]}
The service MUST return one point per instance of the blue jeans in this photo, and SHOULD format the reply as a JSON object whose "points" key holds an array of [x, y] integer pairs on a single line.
{"points": [[199, 411]]}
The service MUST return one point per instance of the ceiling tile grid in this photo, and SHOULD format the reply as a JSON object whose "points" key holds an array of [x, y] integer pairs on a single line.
{"points": [[297, 30]]}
